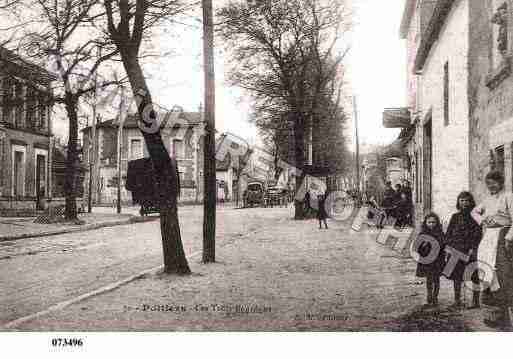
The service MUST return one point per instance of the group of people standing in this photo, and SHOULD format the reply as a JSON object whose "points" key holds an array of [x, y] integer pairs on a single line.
{"points": [[396, 203], [477, 248]]}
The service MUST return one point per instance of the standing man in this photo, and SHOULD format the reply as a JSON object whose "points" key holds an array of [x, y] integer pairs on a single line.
{"points": [[389, 197], [307, 202]]}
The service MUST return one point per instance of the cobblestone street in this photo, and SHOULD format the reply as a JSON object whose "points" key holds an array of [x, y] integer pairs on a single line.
{"points": [[273, 273]]}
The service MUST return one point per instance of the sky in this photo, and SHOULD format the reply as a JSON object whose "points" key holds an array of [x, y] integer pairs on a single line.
{"points": [[376, 73], [377, 66]]}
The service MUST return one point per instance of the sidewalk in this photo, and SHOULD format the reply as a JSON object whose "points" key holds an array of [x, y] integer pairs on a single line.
{"points": [[289, 276], [18, 228]]}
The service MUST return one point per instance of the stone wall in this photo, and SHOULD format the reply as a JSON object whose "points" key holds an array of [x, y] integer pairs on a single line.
{"points": [[450, 156], [491, 102]]}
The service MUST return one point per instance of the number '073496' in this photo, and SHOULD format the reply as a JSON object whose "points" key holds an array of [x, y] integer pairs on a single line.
{"points": [[67, 342]]}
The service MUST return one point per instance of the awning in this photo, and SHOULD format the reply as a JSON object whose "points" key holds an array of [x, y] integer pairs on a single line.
{"points": [[396, 117]]}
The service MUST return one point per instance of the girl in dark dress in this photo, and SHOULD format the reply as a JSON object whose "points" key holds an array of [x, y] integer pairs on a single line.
{"points": [[321, 213], [429, 246], [463, 234]]}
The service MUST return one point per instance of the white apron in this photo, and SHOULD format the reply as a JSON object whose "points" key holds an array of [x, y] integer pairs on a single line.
{"points": [[487, 254]]}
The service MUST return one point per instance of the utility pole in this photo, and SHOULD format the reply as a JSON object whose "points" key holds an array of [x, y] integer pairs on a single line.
{"points": [[92, 153], [120, 138], [92, 142], [210, 190], [355, 110]]}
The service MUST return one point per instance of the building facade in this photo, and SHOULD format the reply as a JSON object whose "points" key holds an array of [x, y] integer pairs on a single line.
{"points": [[25, 134], [462, 117], [491, 92], [183, 142], [436, 120]]}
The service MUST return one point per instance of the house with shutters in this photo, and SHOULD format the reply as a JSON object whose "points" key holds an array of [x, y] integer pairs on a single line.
{"points": [[183, 142], [25, 133]]}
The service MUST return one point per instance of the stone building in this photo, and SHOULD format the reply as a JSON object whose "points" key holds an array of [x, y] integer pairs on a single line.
{"points": [[184, 142], [25, 133], [490, 91], [437, 116], [460, 105]]}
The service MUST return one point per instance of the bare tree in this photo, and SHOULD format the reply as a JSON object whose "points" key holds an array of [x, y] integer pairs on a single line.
{"points": [[129, 23], [61, 33], [285, 55]]}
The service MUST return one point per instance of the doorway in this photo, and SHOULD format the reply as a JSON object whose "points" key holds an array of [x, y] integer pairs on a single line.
{"points": [[428, 166], [40, 181]]}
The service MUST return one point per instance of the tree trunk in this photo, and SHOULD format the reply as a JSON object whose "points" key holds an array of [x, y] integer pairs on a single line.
{"points": [[175, 260], [174, 255], [210, 191], [299, 154], [72, 160]]}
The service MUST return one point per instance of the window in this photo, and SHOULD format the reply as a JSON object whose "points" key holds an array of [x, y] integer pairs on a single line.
{"points": [[446, 94], [30, 116], [136, 148], [42, 114], [8, 96], [178, 149], [19, 121], [499, 159]]}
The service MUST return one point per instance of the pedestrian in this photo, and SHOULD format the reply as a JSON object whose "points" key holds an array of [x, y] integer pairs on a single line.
{"points": [[398, 191], [307, 203], [402, 211], [429, 246], [376, 213], [495, 250], [389, 196], [407, 190], [322, 214], [463, 235]]}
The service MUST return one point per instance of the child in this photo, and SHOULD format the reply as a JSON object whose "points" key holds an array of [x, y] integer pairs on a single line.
{"points": [[376, 213], [463, 235], [431, 262], [402, 211], [321, 213]]}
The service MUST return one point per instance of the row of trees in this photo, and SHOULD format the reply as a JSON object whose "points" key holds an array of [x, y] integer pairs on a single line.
{"points": [[83, 38], [288, 55], [285, 54]]}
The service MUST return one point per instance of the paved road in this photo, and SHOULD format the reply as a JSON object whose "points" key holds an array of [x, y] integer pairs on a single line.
{"points": [[40, 272]]}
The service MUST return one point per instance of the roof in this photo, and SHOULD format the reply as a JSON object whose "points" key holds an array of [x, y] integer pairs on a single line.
{"points": [[24, 65], [409, 10], [192, 118], [435, 24]]}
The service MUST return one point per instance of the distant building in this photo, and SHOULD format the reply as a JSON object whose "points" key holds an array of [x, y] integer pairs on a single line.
{"points": [[184, 143], [395, 170], [25, 133]]}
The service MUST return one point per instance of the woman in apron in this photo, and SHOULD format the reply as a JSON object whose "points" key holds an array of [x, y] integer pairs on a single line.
{"points": [[494, 214]]}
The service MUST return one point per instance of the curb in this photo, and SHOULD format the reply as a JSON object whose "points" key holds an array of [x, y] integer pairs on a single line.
{"points": [[67, 303], [84, 228], [107, 288]]}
